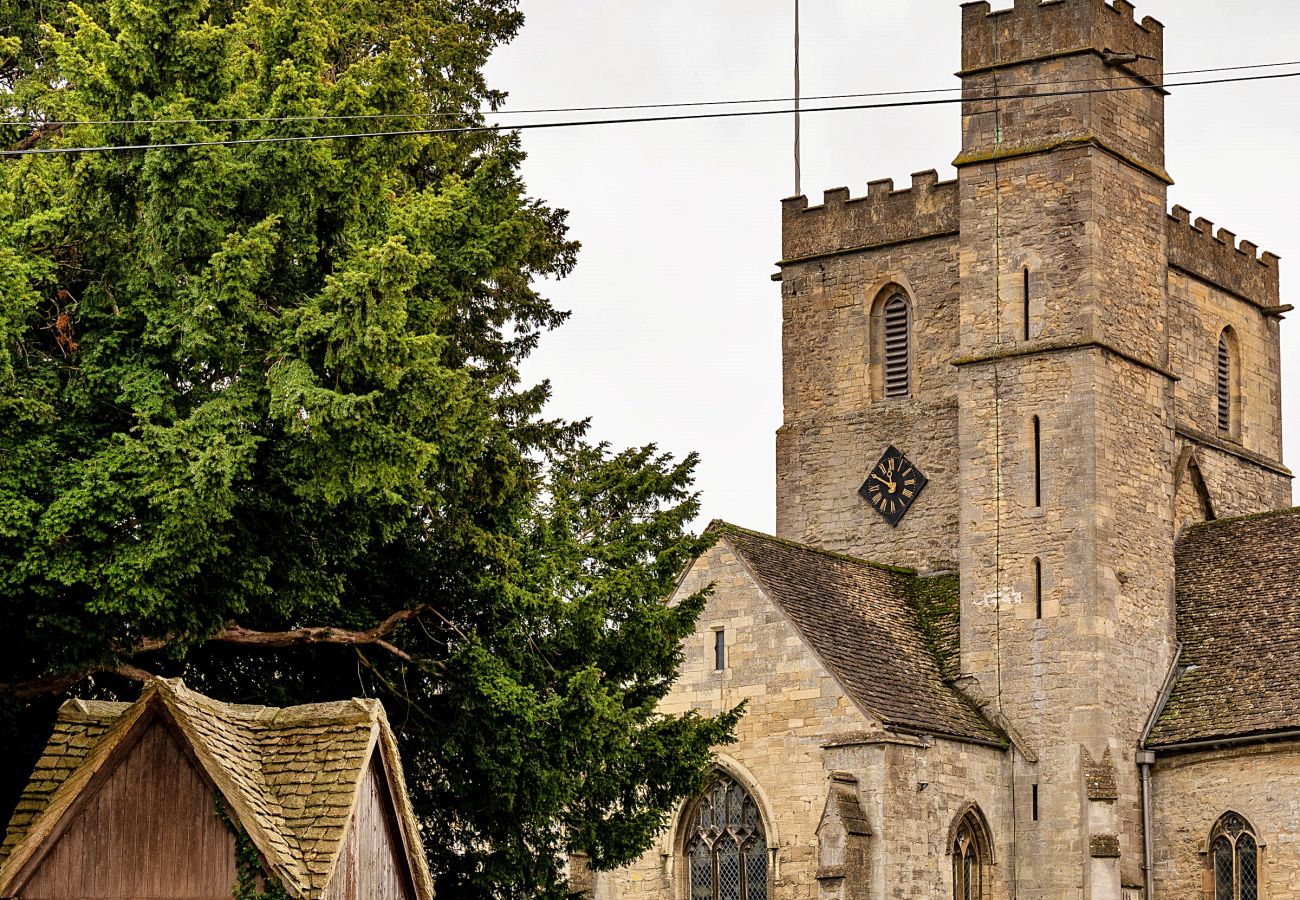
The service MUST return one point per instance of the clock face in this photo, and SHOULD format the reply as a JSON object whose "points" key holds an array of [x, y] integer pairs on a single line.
{"points": [[893, 486]]}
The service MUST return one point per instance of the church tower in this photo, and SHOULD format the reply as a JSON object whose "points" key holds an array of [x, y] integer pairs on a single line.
{"points": [[1037, 338], [1066, 405]]}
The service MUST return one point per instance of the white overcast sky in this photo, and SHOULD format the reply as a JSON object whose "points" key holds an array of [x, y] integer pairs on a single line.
{"points": [[675, 333]]}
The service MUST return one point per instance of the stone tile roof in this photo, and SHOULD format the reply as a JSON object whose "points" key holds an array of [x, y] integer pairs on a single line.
{"points": [[873, 628], [1238, 619], [289, 777]]}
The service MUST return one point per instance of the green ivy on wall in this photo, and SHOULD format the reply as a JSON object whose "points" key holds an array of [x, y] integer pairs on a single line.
{"points": [[248, 865]]}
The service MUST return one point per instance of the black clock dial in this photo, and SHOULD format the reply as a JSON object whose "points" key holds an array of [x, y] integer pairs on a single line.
{"points": [[893, 486]]}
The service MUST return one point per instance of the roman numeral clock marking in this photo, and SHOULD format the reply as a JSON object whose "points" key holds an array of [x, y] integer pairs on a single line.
{"points": [[893, 485]]}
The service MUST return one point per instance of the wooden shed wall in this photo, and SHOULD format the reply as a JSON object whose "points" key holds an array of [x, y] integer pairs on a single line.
{"points": [[372, 864], [150, 831]]}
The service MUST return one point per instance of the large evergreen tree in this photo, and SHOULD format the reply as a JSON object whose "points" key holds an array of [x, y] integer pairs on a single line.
{"points": [[261, 422]]}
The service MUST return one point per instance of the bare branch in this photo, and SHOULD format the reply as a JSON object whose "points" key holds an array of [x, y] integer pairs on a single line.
{"points": [[36, 136], [302, 637], [57, 684]]}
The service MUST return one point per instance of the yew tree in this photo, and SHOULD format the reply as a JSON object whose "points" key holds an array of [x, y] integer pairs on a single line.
{"points": [[262, 423]]}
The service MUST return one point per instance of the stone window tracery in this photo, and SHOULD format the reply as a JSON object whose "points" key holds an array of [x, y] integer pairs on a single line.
{"points": [[972, 854], [1234, 859], [726, 845]]}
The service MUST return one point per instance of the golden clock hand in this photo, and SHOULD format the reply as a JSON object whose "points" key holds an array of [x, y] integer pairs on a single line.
{"points": [[890, 484]]}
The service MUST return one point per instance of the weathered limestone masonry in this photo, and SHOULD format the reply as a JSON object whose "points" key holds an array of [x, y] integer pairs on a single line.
{"points": [[793, 704], [1072, 189], [1090, 380], [1192, 790], [843, 259]]}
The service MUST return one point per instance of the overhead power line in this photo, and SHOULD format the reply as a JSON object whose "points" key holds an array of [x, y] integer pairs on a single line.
{"points": [[685, 104], [585, 123]]}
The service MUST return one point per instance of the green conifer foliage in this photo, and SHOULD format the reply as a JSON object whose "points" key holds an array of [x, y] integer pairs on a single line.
{"points": [[261, 421]]}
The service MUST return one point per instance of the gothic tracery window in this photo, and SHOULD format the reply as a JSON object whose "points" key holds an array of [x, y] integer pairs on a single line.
{"points": [[725, 845], [971, 856], [1234, 859]]}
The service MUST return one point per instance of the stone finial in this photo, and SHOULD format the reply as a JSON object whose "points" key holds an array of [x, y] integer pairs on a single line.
{"points": [[1204, 225], [1124, 8], [1100, 778], [1182, 214], [1227, 237]]}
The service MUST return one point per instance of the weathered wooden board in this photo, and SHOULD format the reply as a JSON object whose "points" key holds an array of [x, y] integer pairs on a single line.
{"points": [[372, 864], [150, 831]]}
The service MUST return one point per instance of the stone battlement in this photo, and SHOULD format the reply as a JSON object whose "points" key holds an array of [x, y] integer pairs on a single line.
{"points": [[1032, 29], [1219, 259], [885, 216]]}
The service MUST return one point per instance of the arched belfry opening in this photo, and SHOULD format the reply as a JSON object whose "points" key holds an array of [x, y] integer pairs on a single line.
{"points": [[891, 352]]}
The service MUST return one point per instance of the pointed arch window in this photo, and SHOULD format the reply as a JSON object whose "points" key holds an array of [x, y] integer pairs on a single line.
{"points": [[897, 315], [972, 854], [1234, 859], [726, 845], [1225, 382]]}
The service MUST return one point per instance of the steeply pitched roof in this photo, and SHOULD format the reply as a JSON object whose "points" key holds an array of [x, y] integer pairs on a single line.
{"points": [[872, 627], [289, 777], [1238, 619]]}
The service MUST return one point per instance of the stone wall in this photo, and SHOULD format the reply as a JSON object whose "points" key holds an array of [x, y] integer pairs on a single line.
{"points": [[913, 791], [1216, 257], [1199, 312], [793, 706], [1189, 794], [837, 424]]}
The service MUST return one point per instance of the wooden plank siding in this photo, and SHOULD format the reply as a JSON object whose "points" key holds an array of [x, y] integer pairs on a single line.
{"points": [[372, 864], [151, 832]]}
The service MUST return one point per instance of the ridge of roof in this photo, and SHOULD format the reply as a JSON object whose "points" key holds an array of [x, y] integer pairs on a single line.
{"points": [[297, 816], [723, 526], [860, 620]]}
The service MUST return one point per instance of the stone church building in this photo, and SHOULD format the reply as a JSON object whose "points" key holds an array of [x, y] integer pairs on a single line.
{"points": [[1030, 626]]}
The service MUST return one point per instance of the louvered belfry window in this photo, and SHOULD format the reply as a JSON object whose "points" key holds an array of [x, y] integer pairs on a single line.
{"points": [[726, 849], [898, 347], [1234, 857], [1225, 384]]}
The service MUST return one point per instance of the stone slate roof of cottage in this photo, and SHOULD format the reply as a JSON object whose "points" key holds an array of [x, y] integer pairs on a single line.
{"points": [[1238, 619], [289, 777], [886, 634]]}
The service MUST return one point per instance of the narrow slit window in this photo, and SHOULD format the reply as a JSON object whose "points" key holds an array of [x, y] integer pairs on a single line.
{"points": [[1038, 588], [1026, 302], [719, 650], [1225, 383], [1034, 801], [898, 351], [1038, 462]]}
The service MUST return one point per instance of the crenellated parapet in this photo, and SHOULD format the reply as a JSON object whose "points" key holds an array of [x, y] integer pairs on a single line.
{"points": [[1219, 259], [884, 216], [1032, 29]]}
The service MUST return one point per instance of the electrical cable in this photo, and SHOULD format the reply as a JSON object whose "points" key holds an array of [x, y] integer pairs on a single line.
{"points": [[235, 120]]}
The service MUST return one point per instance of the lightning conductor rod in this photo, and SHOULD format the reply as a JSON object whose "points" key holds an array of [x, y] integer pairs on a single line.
{"points": [[798, 175]]}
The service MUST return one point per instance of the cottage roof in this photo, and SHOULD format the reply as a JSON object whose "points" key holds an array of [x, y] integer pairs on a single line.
{"points": [[1238, 619], [887, 634], [288, 777]]}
